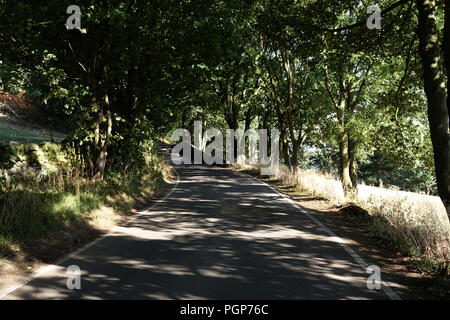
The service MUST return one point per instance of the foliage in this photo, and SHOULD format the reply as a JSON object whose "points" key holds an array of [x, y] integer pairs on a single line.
{"points": [[346, 99]]}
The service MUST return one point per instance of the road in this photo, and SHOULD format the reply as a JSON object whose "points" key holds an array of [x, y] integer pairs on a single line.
{"points": [[217, 235]]}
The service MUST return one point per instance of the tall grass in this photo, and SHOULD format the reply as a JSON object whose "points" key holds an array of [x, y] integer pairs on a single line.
{"points": [[418, 221], [33, 205], [318, 184]]}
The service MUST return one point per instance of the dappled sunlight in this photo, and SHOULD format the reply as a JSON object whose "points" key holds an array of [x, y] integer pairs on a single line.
{"points": [[186, 249], [418, 219], [278, 233]]}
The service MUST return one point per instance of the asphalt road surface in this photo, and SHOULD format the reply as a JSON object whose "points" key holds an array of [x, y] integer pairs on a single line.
{"points": [[218, 235]]}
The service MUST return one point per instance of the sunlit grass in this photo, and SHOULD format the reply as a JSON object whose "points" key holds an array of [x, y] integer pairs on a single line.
{"points": [[10, 132], [34, 206], [321, 185], [420, 219], [418, 222]]}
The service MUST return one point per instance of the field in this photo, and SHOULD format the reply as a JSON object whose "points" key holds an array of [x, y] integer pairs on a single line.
{"points": [[11, 131]]}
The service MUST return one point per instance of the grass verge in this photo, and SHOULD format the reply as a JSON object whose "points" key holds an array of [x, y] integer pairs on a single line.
{"points": [[37, 207], [413, 225]]}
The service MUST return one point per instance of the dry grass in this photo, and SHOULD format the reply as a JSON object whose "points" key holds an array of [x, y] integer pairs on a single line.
{"points": [[416, 223], [321, 185], [419, 219]]}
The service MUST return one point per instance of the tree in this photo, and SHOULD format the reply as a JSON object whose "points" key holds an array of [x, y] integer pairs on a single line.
{"points": [[434, 85]]}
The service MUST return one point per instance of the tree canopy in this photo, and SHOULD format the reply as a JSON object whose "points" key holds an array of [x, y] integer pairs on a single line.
{"points": [[366, 104]]}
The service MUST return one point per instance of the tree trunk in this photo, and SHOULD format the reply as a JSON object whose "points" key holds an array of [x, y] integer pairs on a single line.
{"points": [[101, 162], [446, 48], [295, 151], [353, 167], [248, 118], [102, 138], [434, 85], [285, 148], [345, 165]]}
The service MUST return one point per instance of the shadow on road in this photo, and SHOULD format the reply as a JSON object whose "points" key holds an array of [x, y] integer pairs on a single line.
{"points": [[218, 236]]}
